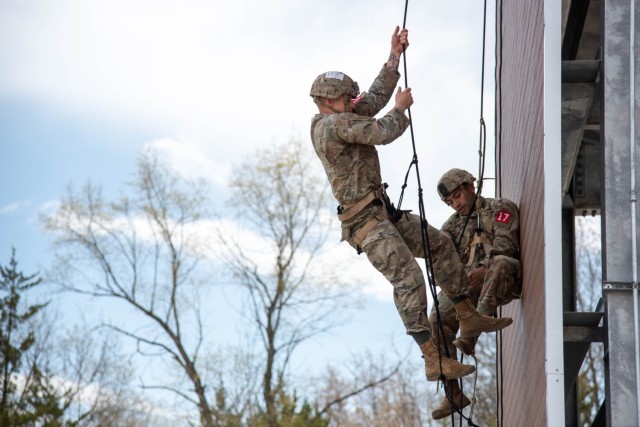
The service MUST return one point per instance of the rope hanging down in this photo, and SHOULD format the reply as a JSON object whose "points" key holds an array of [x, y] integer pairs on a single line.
{"points": [[424, 224], [481, 166], [423, 220], [425, 237], [498, 161], [476, 202], [482, 144]]}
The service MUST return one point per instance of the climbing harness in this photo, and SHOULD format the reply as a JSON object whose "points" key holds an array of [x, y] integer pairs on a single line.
{"points": [[379, 197], [346, 212], [479, 238]]}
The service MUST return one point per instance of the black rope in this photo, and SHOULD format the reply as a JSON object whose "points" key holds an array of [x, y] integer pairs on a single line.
{"points": [[498, 184], [482, 144], [483, 128], [498, 105], [498, 391], [421, 209], [499, 376], [426, 246], [414, 162], [425, 237]]}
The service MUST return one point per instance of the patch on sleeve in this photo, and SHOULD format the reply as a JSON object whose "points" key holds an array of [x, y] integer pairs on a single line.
{"points": [[503, 216]]}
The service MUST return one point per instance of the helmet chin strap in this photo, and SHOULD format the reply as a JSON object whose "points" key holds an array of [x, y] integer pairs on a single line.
{"points": [[347, 108], [330, 107]]}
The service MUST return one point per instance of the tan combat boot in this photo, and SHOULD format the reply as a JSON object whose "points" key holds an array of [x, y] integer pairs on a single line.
{"points": [[451, 368], [466, 345], [453, 395], [473, 323]]}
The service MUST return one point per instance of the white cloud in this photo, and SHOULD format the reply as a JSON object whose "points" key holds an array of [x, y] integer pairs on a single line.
{"points": [[88, 394], [336, 257], [202, 238], [237, 74], [355, 269], [191, 157], [15, 206], [49, 206], [234, 75]]}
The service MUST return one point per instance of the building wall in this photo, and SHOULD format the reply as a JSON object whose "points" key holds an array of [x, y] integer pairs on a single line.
{"points": [[520, 178]]}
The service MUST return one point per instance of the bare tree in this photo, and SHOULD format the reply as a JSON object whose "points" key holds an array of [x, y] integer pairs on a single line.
{"points": [[233, 370], [382, 394], [486, 409], [291, 297], [141, 251], [65, 376], [95, 380]]}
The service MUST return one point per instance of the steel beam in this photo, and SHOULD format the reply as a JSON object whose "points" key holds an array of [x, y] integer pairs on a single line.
{"points": [[620, 79]]}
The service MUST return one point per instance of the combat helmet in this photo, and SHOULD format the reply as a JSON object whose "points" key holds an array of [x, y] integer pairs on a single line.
{"points": [[332, 84], [451, 180]]}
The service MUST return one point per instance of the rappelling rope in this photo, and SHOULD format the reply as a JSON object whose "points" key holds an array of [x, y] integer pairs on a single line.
{"points": [[473, 396], [476, 202], [482, 145], [498, 161], [499, 377], [423, 220]]}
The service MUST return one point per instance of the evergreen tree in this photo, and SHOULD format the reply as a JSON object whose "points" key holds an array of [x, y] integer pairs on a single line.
{"points": [[25, 394]]}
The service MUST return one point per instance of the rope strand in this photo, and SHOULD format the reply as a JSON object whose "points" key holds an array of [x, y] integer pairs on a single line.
{"points": [[424, 226], [421, 210]]}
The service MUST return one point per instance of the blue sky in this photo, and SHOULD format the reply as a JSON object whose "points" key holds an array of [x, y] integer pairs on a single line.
{"points": [[85, 84]]}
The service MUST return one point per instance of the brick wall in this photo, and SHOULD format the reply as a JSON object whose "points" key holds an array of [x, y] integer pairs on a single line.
{"points": [[520, 178]]}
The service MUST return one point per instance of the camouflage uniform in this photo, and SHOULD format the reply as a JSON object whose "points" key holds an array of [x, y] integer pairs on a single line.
{"points": [[345, 144], [502, 281]]}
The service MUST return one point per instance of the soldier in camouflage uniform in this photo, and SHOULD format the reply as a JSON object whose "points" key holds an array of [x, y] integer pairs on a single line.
{"points": [[344, 136], [488, 244]]}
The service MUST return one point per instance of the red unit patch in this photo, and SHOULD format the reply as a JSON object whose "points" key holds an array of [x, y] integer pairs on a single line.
{"points": [[503, 217]]}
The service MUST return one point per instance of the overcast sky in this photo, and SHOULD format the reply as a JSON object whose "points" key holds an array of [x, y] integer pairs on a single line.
{"points": [[85, 84]]}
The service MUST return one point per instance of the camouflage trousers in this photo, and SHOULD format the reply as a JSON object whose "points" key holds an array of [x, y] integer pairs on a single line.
{"points": [[502, 284], [392, 248]]}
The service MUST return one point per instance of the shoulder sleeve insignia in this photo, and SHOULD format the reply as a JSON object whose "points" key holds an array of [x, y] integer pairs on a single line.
{"points": [[503, 216]]}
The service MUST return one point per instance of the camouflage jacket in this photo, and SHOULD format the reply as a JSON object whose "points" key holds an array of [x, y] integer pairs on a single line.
{"points": [[345, 144], [500, 224]]}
